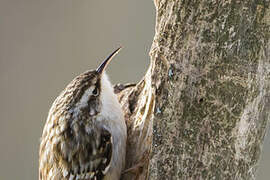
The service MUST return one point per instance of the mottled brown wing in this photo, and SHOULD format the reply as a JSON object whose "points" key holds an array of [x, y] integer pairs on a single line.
{"points": [[90, 158], [81, 154]]}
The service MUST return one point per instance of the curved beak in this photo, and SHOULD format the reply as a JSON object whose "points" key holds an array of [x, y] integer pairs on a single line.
{"points": [[104, 64]]}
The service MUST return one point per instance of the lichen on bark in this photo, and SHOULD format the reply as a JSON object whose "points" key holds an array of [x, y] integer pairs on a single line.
{"points": [[202, 109]]}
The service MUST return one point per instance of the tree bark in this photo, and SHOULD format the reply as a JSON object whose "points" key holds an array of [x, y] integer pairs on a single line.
{"points": [[202, 109]]}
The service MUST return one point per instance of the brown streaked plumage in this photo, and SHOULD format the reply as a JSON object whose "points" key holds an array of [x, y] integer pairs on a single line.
{"points": [[85, 133]]}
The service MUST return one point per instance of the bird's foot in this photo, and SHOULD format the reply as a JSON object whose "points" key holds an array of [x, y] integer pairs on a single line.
{"points": [[136, 169]]}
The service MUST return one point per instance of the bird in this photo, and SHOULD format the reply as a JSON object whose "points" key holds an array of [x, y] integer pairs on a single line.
{"points": [[84, 137]]}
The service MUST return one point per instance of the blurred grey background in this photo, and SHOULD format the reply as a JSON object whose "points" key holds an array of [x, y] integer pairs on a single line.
{"points": [[44, 45]]}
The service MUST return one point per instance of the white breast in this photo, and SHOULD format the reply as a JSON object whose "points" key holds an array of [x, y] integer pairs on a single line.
{"points": [[113, 119]]}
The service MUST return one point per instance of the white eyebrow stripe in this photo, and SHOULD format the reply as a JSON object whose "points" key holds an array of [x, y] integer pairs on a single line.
{"points": [[85, 97]]}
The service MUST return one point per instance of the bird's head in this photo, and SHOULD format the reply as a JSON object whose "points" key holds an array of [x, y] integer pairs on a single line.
{"points": [[90, 90]]}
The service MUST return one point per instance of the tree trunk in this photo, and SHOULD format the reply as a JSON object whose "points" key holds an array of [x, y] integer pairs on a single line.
{"points": [[202, 109]]}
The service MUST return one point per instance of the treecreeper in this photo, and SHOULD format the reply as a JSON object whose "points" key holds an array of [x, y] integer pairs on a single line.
{"points": [[85, 133]]}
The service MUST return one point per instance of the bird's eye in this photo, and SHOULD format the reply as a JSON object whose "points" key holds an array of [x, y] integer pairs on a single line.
{"points": [[95, 92]]}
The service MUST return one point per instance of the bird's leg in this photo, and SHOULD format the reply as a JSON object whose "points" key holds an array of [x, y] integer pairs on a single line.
{"points": [[138, 167]]}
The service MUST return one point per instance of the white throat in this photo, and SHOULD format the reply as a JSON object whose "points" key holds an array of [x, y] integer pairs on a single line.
{"points": [[111, 108]]}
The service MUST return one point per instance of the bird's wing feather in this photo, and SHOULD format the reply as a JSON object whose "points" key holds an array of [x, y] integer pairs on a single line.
{"points": [[78, 153], [89, 156]]}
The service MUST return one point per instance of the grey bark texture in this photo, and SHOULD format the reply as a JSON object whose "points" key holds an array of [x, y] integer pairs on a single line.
{"points": [[202, 109]]}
